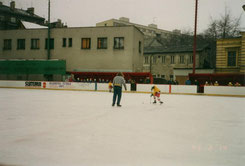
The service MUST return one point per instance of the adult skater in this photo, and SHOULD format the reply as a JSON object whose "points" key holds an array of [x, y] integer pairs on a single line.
{"points": [[118, 81], [156, 94]]}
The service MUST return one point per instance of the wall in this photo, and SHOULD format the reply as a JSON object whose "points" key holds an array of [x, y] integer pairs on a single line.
{"points": [[78, 59], [223, 46], [137, 56], [167, 68], [242, 57]]}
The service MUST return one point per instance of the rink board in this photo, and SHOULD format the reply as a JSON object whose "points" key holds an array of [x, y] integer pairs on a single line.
{"points": [[142, 88]]}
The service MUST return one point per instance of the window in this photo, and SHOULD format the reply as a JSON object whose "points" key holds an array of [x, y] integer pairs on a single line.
{"points": [[51, 43], [86, 42], [102, 43], [35, 44], [13, 19], [118, 42], [231, 58], [1, 18], [146, 60], [171, 77], [140, 46], [182, 59], [154, 60], [64, 42], [163, 76], [70, 42], [7, 44], [191, 59], [163, 59], [20, 44], [172, 59]]}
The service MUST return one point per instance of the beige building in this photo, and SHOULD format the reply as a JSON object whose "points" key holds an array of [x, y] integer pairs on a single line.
{"points": [[149, 31], [230, 57], [94, 49]]}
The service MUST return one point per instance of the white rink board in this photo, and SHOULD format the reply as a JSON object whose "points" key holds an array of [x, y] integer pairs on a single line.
{"points": [[105, 87], [12, 84], [70, 85], [147, 88], [224, 90], [183, 89]]}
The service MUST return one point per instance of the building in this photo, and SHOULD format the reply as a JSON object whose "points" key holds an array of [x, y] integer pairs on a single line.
{"points": [[230, 55], [12, 17], [168, 63], [149, 31], [94, 49]]}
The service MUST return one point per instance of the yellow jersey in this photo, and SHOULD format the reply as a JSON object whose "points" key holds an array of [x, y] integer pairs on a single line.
{"points": [[155, 90]]}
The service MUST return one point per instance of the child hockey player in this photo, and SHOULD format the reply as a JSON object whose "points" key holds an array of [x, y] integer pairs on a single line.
{"points": [[156, 94], [110, 86]]}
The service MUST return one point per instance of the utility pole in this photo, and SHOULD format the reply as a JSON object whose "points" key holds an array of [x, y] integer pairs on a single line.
{"points": [[195, 38], [48, 41], [151, 63]]}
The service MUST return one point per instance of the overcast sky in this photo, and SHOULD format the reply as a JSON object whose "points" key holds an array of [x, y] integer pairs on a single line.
{"points": [[167, 14]]}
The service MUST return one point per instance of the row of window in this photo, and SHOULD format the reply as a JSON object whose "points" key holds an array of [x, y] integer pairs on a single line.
{"points": [[102, 43], [231, 59], [172, 59], [11, 19], [21, 44]]}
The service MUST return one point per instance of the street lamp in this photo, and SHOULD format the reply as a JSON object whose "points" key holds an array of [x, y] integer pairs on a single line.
{"points": [[195, 42]]}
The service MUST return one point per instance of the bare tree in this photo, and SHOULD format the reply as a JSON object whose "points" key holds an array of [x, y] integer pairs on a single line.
{"points": [[225, 27]]}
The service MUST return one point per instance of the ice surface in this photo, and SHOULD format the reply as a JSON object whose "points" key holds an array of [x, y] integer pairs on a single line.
{"points": [[76, 128]]}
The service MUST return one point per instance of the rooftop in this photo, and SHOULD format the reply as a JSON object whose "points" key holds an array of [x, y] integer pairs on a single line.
{"points": [[29, 25], [15, 11]]}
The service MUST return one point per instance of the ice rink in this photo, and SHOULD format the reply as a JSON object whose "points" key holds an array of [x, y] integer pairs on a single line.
{"points": [[78, 128]]}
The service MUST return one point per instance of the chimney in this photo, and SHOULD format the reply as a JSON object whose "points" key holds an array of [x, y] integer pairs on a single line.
{"points": [[125, 19], [12, 5], [152, 26], [30, 10]]}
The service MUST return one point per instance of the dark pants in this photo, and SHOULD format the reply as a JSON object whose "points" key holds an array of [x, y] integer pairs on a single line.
{"points": [[117, 95]]}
